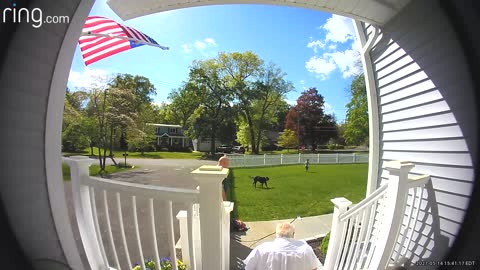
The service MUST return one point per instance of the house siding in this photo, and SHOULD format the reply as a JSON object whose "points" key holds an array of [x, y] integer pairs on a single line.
{"points": [[427, 115]]}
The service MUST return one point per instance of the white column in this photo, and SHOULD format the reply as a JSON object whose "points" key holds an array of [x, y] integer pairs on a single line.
{"points": [[264, 159], [228, 207], [318, 158], [83, 210], [209, 179], [396, 201], [337, 158], [281, 159], [299, 157], [340, 206]]}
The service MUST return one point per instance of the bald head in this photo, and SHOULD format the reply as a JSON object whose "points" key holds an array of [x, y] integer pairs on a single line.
{"points": [[285, 230]]}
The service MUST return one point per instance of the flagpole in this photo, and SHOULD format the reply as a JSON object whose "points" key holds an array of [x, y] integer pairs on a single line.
{"points": [[126, 38]]}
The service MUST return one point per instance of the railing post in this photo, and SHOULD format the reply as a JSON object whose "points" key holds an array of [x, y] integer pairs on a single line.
{"points": [[281, 159], [228, 207], [318, 158], [337, 158], [353, 155], [264, 159], [244, 157], [299, 158], [340, 206], [396, 202], [212, 214], [83, 210]]}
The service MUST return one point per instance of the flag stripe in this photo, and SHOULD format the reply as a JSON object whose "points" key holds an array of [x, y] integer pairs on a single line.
{"points": [[105, 55], [104, 45], [95, 47], [108, 51]]}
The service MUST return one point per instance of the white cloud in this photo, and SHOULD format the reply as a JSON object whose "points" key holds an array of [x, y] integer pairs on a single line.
{"points": [[320, 66], [328, 108], [187, 48], [204, 46], [302, 82], [88, 78], [210, 41], [339, 29], [315, 44], [200, 45], [345, 61]]}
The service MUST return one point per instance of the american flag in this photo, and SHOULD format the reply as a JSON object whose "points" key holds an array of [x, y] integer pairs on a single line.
{"points": [[103, 37]]}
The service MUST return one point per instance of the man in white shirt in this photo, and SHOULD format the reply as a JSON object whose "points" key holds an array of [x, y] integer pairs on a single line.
{"points": [[284, 253]]}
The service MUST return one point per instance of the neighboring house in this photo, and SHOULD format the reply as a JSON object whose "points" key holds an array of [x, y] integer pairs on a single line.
{"points": [[170, 136]]}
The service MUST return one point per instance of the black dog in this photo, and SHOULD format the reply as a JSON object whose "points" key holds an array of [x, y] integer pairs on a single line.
{"points": [[260, 179]]}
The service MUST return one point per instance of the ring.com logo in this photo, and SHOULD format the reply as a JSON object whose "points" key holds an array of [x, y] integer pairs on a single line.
{"points": [[34, 16]]}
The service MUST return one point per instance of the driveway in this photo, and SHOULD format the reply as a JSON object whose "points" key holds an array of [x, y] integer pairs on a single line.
{"points": [[163, 172]]}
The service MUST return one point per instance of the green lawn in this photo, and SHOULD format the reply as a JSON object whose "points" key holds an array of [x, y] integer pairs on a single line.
{"points": [[94, 169], [152, 155], [293, 192]]}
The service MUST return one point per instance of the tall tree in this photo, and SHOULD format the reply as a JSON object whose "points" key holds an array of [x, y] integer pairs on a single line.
{"points": [[271, 89], [241, 71], [309, 107], [184, 101], [140, 86], [356, 123], [288, 139], [206, 78]]}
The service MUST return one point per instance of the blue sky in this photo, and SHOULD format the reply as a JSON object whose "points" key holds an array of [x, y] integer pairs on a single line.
{"points": [[315, 49]]}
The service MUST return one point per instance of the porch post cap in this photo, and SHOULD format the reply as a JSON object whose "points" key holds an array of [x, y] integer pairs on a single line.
{"points": [[341, 201], [78, 160], [210, 170], [398, 164]]}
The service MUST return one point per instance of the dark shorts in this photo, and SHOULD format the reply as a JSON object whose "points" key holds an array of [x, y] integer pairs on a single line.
{"points": [[225, 184]]}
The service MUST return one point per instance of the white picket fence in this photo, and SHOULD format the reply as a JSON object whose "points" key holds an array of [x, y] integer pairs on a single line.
{"points": [[237, 161]]}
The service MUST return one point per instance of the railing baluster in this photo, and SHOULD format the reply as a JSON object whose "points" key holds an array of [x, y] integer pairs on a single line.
{"points": [[191, 246], [171, 236], [417, 212], [97, 226], [353, 240], [154, 233], [359, 239], [109, 230], [371, 220], [137, 231], [348, 244], [407, 226], [342, 242], [122, 230], [375, 236]]}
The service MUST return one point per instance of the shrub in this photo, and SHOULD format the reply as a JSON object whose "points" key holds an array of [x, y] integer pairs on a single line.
{"points": [[340, 146], [331, 146], [324, 244], [165, 264]]}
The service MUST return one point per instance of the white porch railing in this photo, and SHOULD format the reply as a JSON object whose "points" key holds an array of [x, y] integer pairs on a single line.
{"points": [[364, 236], [208, 197], [236, 160]]}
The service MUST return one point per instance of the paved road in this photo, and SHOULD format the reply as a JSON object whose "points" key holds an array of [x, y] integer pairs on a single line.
{"points": [[172, 173]]}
